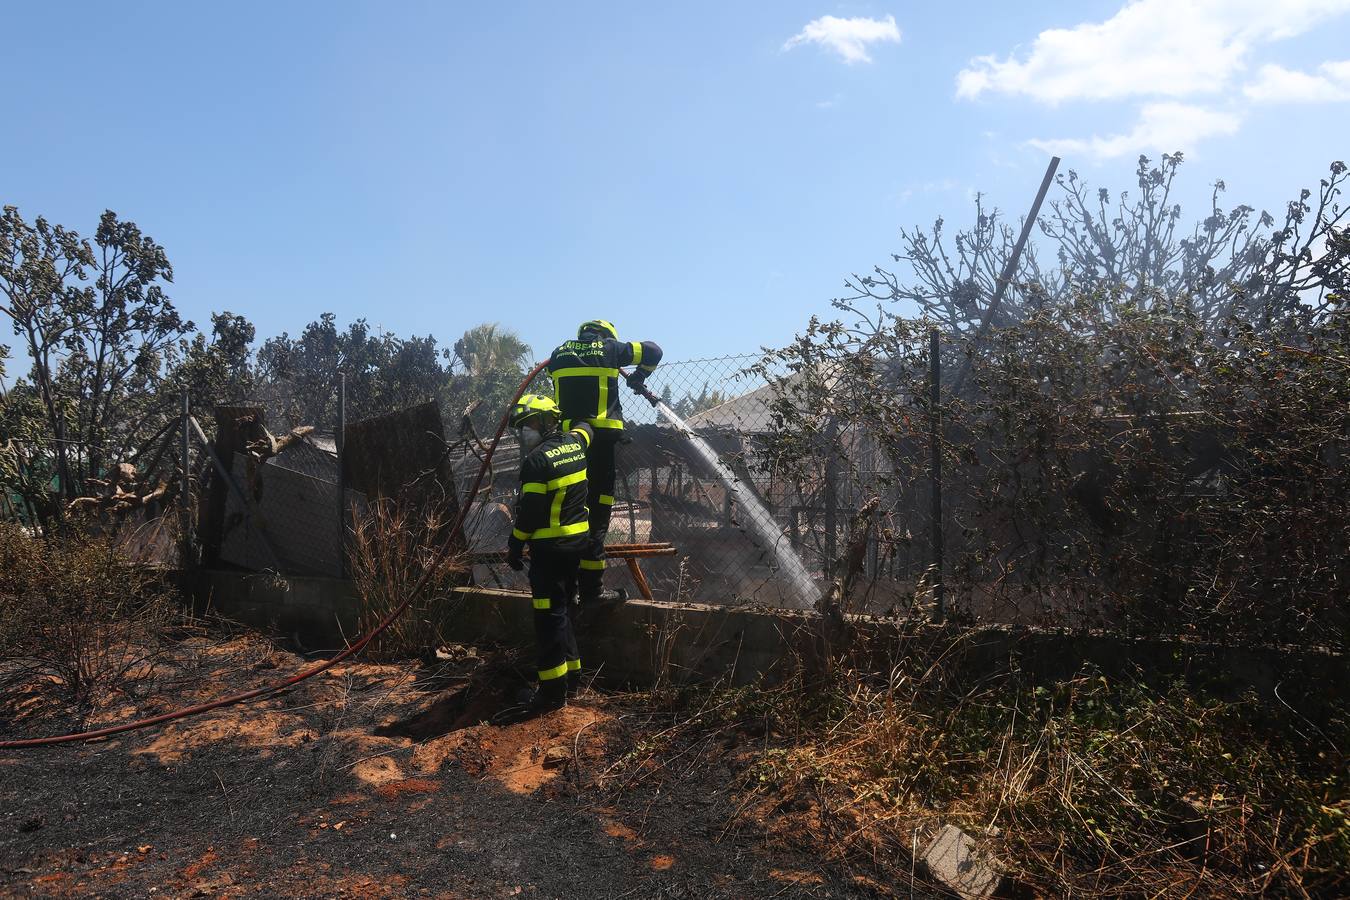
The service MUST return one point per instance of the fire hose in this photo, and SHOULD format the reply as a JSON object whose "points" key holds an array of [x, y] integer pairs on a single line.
{"points": [[327, 664]]}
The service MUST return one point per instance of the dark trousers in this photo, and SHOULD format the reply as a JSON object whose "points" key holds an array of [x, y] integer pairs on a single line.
{"points": [[600, 503], [553, 584]]}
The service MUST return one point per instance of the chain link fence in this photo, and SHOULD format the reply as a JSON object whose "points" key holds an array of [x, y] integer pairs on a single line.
{"points": [[277, 509], [666, 492], [1053, 510]]}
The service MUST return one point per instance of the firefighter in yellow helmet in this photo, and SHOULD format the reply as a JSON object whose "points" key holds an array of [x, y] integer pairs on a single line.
{"points": [[551, 518], [586, 386]]}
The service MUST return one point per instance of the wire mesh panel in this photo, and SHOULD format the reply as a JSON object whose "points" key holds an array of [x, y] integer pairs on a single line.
{"points": [[287, 521], [668, 490], [698, 473]]}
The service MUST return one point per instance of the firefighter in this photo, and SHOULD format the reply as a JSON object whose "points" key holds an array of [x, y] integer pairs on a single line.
{"points": [[551, 518], [586, 386]]}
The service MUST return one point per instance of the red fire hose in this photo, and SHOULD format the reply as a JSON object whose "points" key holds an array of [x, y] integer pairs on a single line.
{"points": [[313, 670]]}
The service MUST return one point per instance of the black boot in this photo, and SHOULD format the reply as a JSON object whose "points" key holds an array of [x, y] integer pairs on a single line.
{"points": [[573, 684], [534, 700]]}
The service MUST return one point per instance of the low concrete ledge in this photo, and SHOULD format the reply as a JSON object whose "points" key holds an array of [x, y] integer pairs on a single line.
{"points": [[643, 642]]}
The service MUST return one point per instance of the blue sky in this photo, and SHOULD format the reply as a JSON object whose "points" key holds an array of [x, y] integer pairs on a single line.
{"points": [[704, 175]]}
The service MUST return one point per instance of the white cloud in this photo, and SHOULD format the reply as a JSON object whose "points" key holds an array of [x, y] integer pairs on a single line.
{"points": [[1162, 127], [1159, 48], [847, 37], [1276, 84]]}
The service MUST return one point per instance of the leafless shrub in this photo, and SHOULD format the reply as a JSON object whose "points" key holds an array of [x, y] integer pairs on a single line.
{"points": [[1227, 263], [73, 609]]}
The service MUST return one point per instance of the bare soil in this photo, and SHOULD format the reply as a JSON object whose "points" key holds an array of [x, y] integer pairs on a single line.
{"points": [[378, 781]]}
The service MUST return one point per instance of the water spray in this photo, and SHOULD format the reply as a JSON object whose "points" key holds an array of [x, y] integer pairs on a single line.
{"points": [[803, 591]]}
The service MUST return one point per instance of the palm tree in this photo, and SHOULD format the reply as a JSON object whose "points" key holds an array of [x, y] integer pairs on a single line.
{"points": [[490, 349]]}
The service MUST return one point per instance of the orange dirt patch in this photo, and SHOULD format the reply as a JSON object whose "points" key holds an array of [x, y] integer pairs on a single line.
{"points": [[114, 715], [429, 758], [622, 832], [378, 771], [662, 862], [353, 885], [55, 883], [382, 671], [257, 729], [518, 756], [394, 789], [526, 774], [208, 859], [792, 877]]}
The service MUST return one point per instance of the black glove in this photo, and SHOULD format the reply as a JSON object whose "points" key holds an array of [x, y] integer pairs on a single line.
{"points": [[514, 550], [638, 382]]}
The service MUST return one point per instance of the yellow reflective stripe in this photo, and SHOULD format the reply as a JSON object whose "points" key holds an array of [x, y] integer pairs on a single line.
{"points": [[574, 665], [520, 535], [555, 510], [602, 404], [593, 564], [606, 500], [585, 372], [542, 603], [558, 531], [606, 423], [533, 487], [585, 437], [564, 480], [555, 672], [637, 352]]}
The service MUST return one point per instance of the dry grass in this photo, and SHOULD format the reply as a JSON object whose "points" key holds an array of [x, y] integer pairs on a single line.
{"points": [[395, 552], [1084, 787]]}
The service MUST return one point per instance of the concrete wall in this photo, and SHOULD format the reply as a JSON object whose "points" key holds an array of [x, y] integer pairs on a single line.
{"points": [[318, 613], [645, 642]]}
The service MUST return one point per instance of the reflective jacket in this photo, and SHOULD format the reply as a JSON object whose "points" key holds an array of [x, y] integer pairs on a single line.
{"points": [[551, 510], [586, 378]]}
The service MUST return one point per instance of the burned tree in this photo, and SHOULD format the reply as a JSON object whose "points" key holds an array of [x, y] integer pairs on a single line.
{"points": [[1158, 442], [1230, 263]]}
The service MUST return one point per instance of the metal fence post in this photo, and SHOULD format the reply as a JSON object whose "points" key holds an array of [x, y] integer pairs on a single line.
{"points": [[184, 485], [1006, 276], [831, 497], [935, 472], [341, 483]]}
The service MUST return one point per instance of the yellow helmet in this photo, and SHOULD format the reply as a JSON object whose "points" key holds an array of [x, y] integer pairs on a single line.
{"points": [[533, 405], [598, 326]]}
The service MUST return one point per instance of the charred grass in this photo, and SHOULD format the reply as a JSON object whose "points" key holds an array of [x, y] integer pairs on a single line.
{"points": [[372, 780]]}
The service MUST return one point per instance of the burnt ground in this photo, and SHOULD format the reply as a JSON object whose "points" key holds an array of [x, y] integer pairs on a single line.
{"points": [[383, 781]]}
